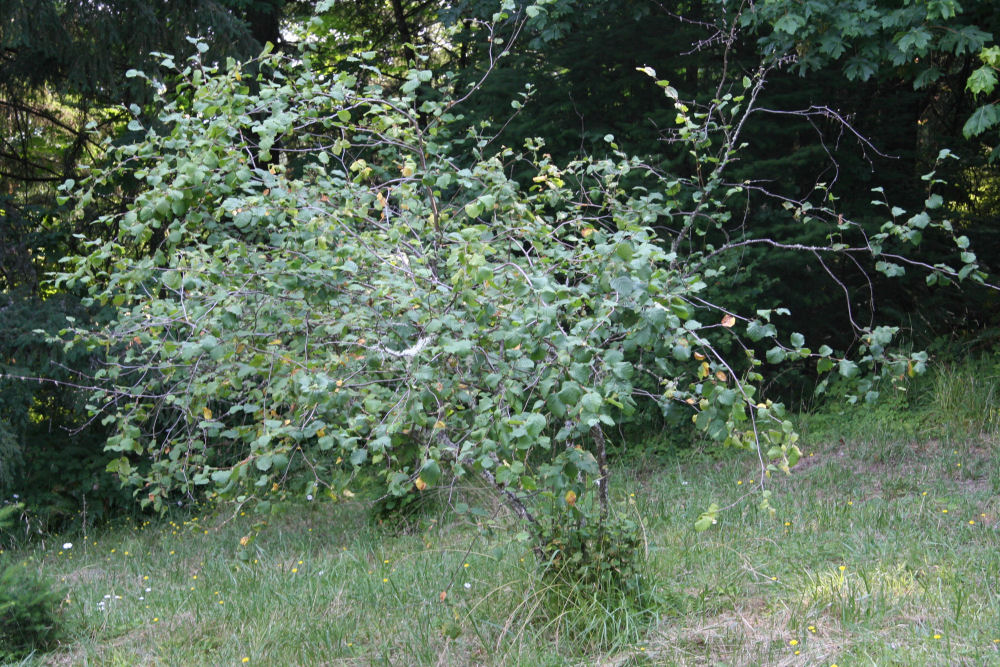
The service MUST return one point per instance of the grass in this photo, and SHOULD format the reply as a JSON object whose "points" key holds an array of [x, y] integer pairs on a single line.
{"points": [[883, 551]]}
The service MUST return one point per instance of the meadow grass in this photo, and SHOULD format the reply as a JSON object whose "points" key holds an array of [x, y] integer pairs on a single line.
{"points": [[883, 550]]}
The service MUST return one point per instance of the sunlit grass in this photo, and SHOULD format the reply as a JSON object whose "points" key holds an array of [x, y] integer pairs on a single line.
{"points": [[878, 554]]}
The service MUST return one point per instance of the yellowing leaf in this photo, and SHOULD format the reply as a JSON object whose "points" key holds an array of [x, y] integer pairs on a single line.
{"points": [[439, 424], [407, 170], [699, 356], [703, 371], [207, 414], [721, 375], [320, 433], [347, 493], [443, 595], [728, 320], [586, 231], [570, 498], [420, 484]]}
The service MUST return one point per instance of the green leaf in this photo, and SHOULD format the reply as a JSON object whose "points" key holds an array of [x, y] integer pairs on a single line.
{"points": [[847, 368], [592, 402], [570, 393], [726, 397], [624, 250], [534, 424], [982, 80], [473, 209], [430, 472], [981, 120], [757, 330], [789, 23], [221, 476], [916, 39]]}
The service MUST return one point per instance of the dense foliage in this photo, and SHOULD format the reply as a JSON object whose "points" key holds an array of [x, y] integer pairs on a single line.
{"points": [[30, 608]]}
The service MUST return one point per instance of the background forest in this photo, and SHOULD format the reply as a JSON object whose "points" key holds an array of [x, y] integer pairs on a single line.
{"points": [[725, 214]]}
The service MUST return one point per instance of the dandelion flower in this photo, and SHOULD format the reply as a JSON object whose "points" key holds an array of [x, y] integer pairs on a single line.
{"points": [[842, 568], [245, 659], [793, 642]]}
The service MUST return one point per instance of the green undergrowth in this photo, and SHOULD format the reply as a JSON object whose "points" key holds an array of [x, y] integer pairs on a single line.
{"points": [[882, 551], [957, 399]]}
